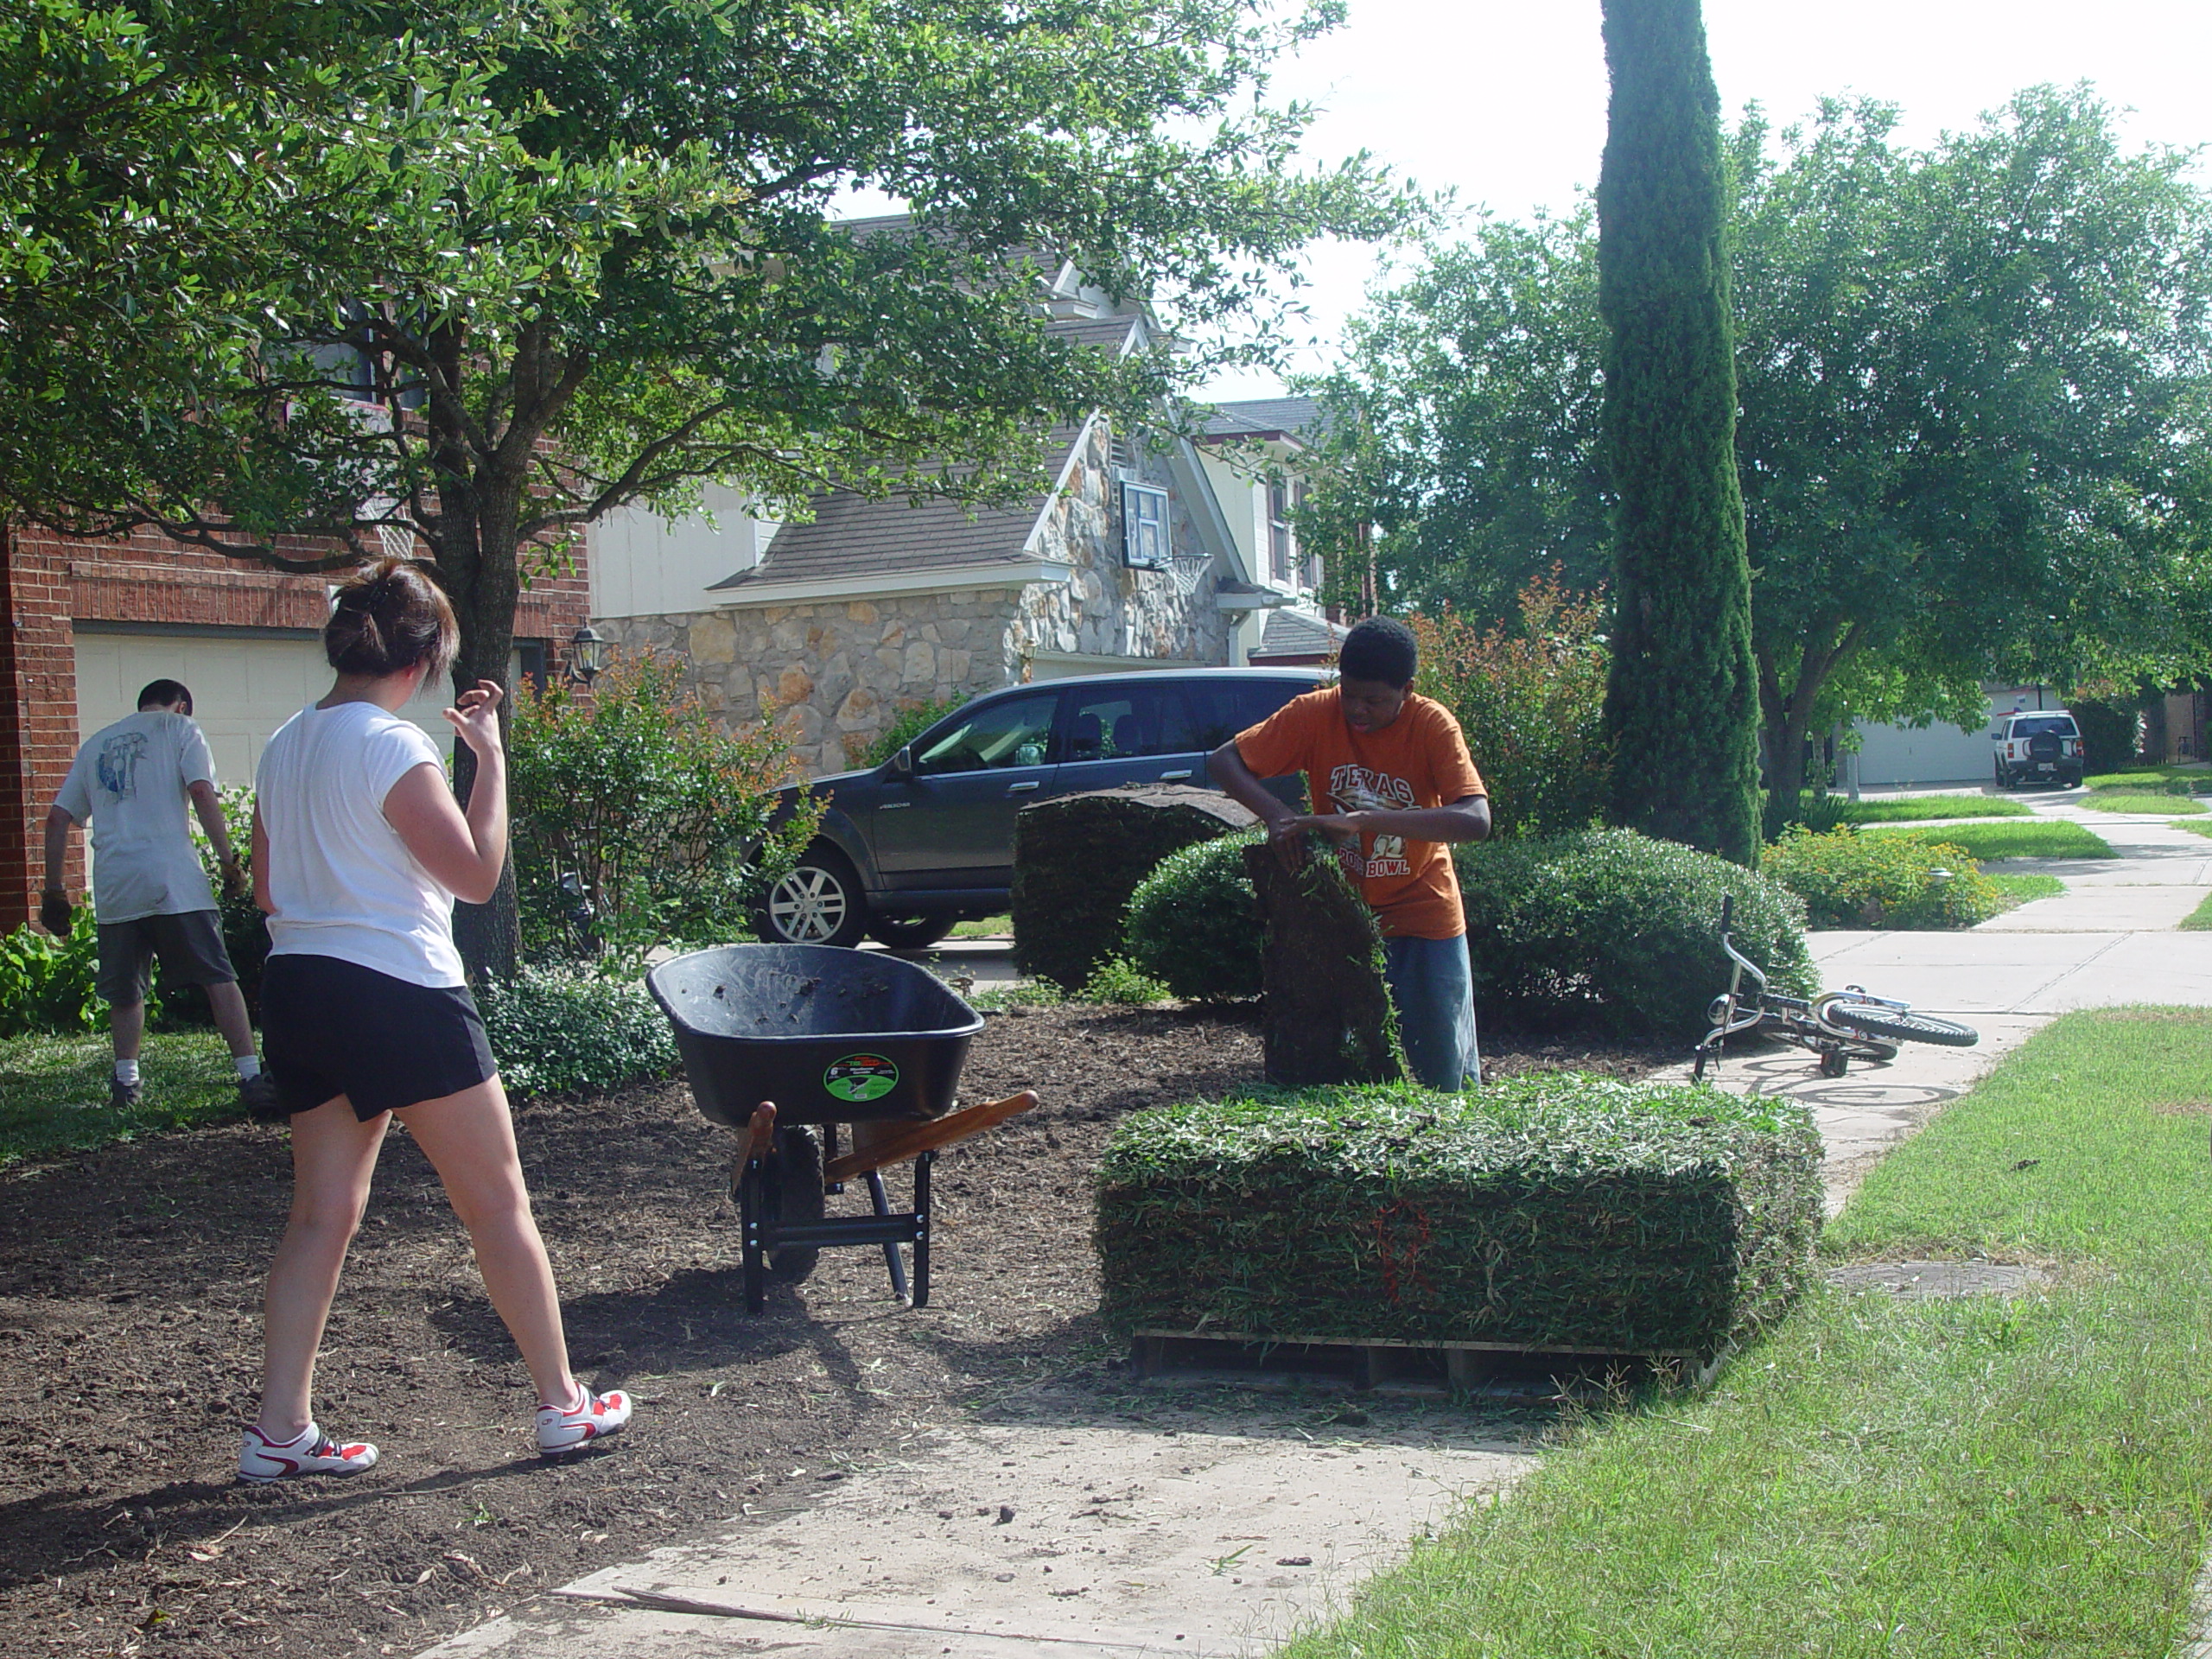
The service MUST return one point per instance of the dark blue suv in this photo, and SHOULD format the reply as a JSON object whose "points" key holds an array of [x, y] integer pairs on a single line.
{"points": [[926, 839]]}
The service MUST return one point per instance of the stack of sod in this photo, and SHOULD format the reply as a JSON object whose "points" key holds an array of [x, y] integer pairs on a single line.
{"points": [[1077, 859], [1559, 1210]]}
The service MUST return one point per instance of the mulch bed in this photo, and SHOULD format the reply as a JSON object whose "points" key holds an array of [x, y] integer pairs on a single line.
{"points": [[129, 1330]]}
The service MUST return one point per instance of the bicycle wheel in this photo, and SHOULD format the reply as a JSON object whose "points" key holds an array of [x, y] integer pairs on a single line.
{"points": [[1890, 1026]]}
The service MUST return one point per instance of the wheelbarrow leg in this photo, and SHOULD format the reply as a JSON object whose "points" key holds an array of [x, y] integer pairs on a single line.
{"points": [[883, 1203], [922, 1228], [752, 1204]]}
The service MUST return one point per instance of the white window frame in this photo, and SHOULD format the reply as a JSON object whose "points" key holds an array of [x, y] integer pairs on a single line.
{"points": [[1146, 543]]}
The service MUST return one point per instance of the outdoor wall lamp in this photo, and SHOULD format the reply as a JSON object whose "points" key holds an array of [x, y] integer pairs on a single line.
{"points": [[587, 654]]}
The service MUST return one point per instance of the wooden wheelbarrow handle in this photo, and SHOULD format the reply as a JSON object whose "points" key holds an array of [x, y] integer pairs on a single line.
{"points": [[759, 1133], [912, 1140]]}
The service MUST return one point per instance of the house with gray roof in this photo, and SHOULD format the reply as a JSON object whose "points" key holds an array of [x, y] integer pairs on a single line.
{"points": [[1127, 556]]}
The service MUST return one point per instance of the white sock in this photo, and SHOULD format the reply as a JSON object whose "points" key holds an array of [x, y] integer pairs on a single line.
{"points": [[126, 1071], [249, 1066]]}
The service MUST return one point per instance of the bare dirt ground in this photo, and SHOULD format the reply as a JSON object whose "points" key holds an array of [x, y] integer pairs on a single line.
{"points": [[129, 1285]]}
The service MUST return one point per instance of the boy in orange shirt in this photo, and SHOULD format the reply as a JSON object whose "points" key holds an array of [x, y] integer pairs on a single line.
{"points": [[1390, 774]]}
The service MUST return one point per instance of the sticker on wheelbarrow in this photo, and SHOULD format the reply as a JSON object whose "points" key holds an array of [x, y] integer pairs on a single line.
{"points": [[861, 1076]]}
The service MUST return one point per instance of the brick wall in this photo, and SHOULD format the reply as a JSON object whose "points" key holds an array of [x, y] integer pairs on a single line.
{"points": [[48, 581]]}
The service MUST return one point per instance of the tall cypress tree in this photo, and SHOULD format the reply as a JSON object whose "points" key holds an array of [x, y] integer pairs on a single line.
{"points": [[1682, 703]]}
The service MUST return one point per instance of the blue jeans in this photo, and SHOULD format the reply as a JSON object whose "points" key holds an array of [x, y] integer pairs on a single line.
{"points": [[1434, 991]]}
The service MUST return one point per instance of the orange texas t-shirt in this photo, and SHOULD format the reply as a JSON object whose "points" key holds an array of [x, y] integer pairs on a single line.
{"points": [[1420, 759]]}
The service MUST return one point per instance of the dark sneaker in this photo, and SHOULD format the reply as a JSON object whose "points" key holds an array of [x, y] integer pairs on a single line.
{"points": [[257, 1094], [123, 1096]]}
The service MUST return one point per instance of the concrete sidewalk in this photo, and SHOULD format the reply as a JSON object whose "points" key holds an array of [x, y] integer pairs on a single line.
{"points": [[1123, 1539]]}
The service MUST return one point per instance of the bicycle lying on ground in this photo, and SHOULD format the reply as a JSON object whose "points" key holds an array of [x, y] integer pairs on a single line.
{"points": [[1841, 1027]]}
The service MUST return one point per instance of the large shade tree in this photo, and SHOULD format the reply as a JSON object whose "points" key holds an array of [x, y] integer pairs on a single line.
{"points": [[611, 273], [1973, 436]]}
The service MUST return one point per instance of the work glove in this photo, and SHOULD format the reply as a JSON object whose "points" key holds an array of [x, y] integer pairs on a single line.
{"points": [[237, 883], [54, 913]]}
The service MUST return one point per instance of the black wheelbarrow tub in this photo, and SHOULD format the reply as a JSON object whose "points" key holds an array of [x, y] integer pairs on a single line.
{"points": [[831, 1036]]}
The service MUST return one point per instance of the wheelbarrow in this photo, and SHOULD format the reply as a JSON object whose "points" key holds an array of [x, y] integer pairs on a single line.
{"points": [[785, 1043]]}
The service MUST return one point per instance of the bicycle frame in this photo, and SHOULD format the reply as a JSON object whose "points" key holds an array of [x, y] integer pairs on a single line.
{"points": [[1794, 1019]]}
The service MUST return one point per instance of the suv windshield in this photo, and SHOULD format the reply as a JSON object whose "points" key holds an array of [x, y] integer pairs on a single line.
{"points": [[2042, 725]]}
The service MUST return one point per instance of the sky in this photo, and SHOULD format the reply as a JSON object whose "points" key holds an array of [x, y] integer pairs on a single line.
{"points": [[1503, 101]]}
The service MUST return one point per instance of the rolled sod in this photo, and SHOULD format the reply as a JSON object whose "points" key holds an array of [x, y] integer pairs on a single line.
{"points": [[1560, 1210]]}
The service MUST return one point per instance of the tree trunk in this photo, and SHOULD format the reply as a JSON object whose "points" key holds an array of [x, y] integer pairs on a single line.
{"points": [[1325, 1017], [480, 568]]}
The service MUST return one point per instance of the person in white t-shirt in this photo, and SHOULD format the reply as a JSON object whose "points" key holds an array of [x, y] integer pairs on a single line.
{"points": [[359, 853], [150, 896]]}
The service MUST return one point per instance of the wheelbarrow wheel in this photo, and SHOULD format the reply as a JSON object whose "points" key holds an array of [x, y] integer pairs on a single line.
{"points": [[796, 1185]]}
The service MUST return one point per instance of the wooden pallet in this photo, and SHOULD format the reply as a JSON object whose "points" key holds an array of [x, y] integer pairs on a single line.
{"points": [[1499, 1371]]}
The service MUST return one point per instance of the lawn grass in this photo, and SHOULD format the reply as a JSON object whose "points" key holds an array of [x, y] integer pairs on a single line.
{"points": [[1911, 1479], [1928, 807], [2020, 889], [2037, 838], [2198, 920], [2107, 800], [2150, 778], [988, 927], [53, 1091], [2194, 826]]}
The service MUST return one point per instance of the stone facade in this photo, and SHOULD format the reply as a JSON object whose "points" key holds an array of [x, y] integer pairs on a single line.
{"points": [[842, 669]]}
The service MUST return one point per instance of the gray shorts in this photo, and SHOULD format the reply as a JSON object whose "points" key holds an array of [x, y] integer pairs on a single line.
{"points": [[189, 944]]}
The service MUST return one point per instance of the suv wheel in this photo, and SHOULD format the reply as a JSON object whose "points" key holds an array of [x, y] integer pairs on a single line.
{"points": [[2003, 782], [910, 933], [819, 902]]}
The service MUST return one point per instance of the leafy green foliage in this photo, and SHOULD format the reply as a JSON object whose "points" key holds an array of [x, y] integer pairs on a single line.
{"points": [[1682, 699], [555, 1030], [1614, 930], [1115, 980], [46, 983], [1848, 880], [638, 820], [1531, 701], [1553, 1209], [913, 719], [1194, 923], [1967, 439]]}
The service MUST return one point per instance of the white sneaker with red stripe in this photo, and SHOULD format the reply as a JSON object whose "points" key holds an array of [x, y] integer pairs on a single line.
{"points": [[262, 1460], [594, 1417]]}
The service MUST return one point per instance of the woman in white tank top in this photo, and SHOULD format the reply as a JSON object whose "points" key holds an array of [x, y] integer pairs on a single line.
{"points": [[358, 852]]}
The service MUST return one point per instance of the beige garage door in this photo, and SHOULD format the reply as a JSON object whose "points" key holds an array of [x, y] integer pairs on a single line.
{"points": [[244, 687]]}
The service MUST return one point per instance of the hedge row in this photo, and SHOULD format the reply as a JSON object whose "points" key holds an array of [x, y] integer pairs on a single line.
{"points": [[1604, 929], [1553, 1211]]}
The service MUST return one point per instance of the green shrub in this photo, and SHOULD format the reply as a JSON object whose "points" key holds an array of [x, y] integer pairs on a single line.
{"points": [[1531, 701], [46, 983], [558, 1029], [1617, 930], [1194, 924], [1848, 880], [638, 820], [1553, 1210], [909, 723], [1117, 981]]}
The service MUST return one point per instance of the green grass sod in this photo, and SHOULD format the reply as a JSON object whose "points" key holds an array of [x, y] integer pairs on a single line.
{"points": [[2022, 888], [2038, 838], [53, 1091], [2157, 806], [1930, 808], [1918, 1480], [2151, 777]]}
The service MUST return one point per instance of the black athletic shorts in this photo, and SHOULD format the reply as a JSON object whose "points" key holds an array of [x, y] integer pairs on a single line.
{"points": [[330, 1027], [189, 944]]}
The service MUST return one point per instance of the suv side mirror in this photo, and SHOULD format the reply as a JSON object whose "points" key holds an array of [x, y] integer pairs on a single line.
{"points": [[902, 764]]}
